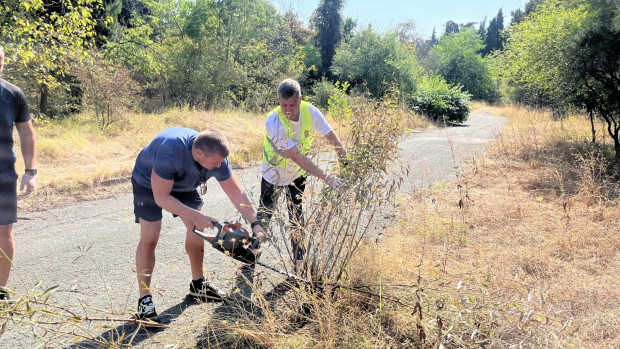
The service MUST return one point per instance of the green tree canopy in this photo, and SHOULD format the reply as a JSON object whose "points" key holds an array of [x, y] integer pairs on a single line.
{"points": [[377, 62], [43, 38], [456, 58], [328, 21]]}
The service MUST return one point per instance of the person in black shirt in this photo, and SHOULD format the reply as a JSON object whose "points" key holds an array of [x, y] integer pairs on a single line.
{"points": [[13, 111]]}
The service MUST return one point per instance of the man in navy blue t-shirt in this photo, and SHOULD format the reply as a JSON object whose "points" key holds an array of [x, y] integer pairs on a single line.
{"points": [[13, 111], [167, 175]]}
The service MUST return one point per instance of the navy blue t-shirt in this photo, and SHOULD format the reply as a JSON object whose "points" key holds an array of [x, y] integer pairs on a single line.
{"points": [[13, 108], [170, 155]]}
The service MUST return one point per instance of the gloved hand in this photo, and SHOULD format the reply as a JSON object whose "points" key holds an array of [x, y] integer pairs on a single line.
{"points": [[333, 181], [28, 182]]}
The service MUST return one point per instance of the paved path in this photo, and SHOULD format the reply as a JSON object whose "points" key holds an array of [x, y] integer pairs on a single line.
{"points": [[88, 248]]}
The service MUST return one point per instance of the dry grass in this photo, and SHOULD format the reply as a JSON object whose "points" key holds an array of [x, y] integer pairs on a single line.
{"points": [[520, 251], [77, 159]]}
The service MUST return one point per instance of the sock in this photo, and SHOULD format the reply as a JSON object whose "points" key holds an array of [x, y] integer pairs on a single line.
{"points": [[146, 299]]}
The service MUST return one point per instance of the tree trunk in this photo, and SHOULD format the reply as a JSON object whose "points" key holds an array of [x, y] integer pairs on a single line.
{"points": [[617, 148], [592, 124], [44, 104]]}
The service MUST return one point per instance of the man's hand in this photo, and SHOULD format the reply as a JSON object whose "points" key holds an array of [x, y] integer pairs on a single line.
{"points": [[202, 222], [259, 233], [333, 181], [28, 182]]}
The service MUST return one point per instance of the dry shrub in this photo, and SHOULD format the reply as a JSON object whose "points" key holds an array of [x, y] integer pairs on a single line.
{"points": [[108, 88], [337, 221], [337, 224], [521, 251]]}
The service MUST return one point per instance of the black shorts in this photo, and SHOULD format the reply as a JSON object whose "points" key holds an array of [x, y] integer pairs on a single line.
{"points": [[144, 205], [8, 202]]}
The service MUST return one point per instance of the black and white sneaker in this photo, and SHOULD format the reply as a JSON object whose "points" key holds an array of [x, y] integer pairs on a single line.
{"points": [[5, 297], [146, 309], [205, 291]]}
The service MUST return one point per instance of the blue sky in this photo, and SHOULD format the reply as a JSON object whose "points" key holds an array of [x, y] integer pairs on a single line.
{"points": [[386, 14]]}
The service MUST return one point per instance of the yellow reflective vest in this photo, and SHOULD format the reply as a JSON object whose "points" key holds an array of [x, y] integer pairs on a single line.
{"points": [[276, 158]]}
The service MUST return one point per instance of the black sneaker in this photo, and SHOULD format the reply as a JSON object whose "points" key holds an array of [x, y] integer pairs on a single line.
{"points": [[5, 297], [204, 290], [146, 309]]}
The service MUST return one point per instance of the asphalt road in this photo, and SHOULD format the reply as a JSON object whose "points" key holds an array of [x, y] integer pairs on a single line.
{"points": [[87, 249]]}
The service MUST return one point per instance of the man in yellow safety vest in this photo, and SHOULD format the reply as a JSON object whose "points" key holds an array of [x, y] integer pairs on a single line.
{"points": [[290, 131]]}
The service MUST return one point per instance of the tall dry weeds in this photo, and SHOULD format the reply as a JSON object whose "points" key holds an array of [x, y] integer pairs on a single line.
{"points": [[520, 252]]}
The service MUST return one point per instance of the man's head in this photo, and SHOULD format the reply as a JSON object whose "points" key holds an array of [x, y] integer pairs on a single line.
{"points": [[210, 149], [1, 59], [289, 96]]}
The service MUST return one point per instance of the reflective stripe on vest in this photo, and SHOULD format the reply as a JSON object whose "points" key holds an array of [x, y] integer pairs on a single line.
{"points": [[277, 158]]}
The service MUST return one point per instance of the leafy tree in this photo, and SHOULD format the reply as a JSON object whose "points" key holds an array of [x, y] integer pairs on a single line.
{"points": [[327, 21], [451, 27], [482, 29], [539, 52], [517, 16], [571, 52], [456, 58], [598, 54], [348, 27], [42, 38], [493, 39], [377, 62], [434, 37], [108, 88]]}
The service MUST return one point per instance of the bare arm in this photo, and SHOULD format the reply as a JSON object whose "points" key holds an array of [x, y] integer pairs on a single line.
{"points": [[28, 143], [304, 162], [239, 198], [335, 141], [161, 192]]}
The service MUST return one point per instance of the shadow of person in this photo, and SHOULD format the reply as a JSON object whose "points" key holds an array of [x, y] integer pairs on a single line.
{"points": [[131, 333], [240, 307]]}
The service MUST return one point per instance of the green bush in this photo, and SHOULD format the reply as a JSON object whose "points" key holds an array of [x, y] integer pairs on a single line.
{"points": [[441, 101], [339, 107], [322, 91]]}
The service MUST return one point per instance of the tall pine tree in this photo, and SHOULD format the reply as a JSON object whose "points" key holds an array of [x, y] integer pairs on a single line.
{"points": [[327, 21], [494, 40]]}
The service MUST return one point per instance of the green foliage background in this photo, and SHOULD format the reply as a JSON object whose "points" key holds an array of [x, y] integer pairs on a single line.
{"points": [[208, 54]]}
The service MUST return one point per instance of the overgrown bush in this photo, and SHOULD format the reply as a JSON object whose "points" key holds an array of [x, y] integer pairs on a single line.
{"points": [[339, 107], [441, 101], [108, 88], [322, 91]]}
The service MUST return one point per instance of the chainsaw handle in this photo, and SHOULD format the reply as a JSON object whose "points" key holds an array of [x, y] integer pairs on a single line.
{"points": [[255, 244], [216, 225]]}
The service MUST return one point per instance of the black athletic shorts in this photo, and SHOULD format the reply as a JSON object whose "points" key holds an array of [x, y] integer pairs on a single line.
{"points": [[144, 205], [8, 202]]}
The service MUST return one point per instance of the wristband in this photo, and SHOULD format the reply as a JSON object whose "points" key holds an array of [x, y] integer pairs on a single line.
{"points": [[255, 223]]}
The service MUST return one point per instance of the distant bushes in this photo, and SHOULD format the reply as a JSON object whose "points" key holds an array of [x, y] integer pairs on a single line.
{"points": [[440, 101]]}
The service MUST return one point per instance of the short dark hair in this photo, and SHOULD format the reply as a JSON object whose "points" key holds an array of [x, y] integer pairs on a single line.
{"points": [[212, 142], [288, 88]]}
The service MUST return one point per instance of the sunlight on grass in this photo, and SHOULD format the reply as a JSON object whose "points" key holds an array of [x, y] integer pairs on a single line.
{"points": [[520, 251]]}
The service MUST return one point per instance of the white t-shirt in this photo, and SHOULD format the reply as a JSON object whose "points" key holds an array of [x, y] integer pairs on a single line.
{"points": [[283, 176]]}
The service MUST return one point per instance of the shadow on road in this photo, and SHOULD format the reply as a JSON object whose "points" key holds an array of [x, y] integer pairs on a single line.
{"points": [[233, 311], [133, 334]]}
